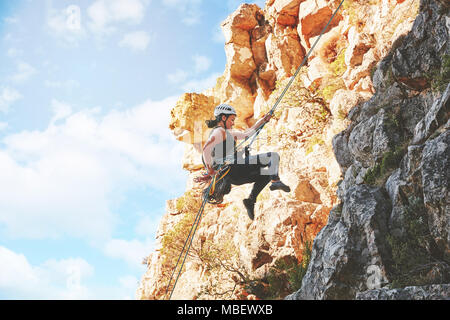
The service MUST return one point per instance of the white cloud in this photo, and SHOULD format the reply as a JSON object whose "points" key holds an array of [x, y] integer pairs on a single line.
{"points": [[104, 13], [131, 251], [177, 77], [129, 283], [147, 226], [15, 271], [14, 52], [68, 85], [66, 23], [11, 20], [72, 173], [7, 97], [188, 9], [202, 63], [54, 279], [199, 85], [60, 109], [23, 73], [137, 41], [3, 125]]}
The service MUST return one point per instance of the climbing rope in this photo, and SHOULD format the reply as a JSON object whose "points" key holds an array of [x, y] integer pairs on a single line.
{"points": [[291, 80], [188, 240], [253, 136]]}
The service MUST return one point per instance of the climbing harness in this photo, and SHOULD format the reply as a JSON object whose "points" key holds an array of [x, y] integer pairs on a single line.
{"points": [[219, 187], [214, 192]]}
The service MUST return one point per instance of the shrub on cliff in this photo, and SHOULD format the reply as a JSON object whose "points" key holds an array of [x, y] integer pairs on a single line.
{"points": [[413, 252], [284, 277]]}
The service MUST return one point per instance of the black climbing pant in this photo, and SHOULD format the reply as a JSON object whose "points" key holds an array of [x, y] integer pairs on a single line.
{"points": [[260, 169]]}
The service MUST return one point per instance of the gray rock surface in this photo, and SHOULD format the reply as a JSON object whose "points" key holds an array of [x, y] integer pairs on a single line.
{"points": [[350, 249], [431, 292], [435, 181], [402, 136]]}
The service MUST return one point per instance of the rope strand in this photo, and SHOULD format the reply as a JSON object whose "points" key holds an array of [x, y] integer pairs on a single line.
{"points": [[291, 80]]}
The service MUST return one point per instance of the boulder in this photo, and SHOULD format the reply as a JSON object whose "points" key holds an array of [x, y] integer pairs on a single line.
{"points": [[360, 141], [313, 17], [437, 116], [358, 45], [187, 118], [285, 12], [284, 52], [237, 28], [349, 253]]}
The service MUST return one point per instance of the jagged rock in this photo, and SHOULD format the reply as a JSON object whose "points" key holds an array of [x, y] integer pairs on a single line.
{"points": [[284, 52], [304, 191], [435, 117], [192, 157], [349, 249], [431, 292], [414, 62], [240, 60], [317, 70], [285, 12], [185, 117], [238, 94], [354, 74], [237, 40], [391, 97], [258, 42], [407, 181], [245, 18], [342, 101], [412, 111], [386, 122], [435, 181], [382, 76], [358, 45], [341, 150], [313, 17], [360, 141], [385, 134]]}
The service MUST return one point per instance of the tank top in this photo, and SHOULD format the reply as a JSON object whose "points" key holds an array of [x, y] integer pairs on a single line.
{"points": [[224, 149]]}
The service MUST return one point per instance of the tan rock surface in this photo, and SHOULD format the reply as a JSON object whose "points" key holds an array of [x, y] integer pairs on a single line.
{"points": [[313, 17], [263, 48]]}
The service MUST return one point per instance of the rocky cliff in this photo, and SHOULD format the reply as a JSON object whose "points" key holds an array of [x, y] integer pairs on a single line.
{"points": [[363, 138]]}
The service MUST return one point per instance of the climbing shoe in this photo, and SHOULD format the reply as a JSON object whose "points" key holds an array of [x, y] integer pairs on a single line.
{"points": [[249, 204], [279, 186]]}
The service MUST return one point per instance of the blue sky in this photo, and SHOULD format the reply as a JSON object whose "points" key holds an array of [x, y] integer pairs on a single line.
{"points": [[86, 159]]}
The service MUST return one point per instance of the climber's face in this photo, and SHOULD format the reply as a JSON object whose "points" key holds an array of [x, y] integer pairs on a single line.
{"points": [[229, 123]]}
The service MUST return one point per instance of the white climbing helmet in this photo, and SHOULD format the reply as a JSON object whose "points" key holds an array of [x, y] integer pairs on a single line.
{"points": [[224, 109]]}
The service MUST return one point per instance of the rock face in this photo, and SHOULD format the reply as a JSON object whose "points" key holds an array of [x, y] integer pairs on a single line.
{"points": [[395, 160], [363, 138]]}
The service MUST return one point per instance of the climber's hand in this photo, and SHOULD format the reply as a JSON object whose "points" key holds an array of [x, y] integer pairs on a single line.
{"points": [[211, 171], [267, 117], [203, 179]]}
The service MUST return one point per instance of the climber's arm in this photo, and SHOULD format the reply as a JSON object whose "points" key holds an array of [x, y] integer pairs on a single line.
{"points": [[239, 135], [216, 137]]}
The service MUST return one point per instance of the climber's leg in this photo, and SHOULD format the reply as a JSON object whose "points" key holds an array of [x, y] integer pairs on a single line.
{"points": [[269, 164]]}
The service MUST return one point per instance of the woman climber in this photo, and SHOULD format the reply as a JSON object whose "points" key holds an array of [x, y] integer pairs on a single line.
{"points": [[244, 168]]}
